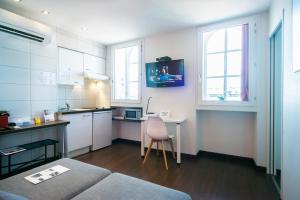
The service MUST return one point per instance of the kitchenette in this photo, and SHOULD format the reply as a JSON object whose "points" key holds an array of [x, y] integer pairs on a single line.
{"points": [[55, 95]]}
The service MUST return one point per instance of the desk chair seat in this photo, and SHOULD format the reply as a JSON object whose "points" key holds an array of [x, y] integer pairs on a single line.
{"points": [[157, 131]]}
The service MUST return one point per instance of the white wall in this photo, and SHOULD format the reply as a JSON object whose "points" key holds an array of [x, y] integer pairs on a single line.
{"points": [[235, 133], [291, 102], [24, 91], [78, 96], [262, 91], [181, 100], [23, 66], [229, 133]]}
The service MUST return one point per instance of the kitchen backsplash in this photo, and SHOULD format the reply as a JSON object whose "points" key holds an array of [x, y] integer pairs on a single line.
{"points": [[78, 96]]}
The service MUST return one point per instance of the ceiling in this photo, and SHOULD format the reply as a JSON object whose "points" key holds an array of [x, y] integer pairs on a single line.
{"points": [[113, 21]]}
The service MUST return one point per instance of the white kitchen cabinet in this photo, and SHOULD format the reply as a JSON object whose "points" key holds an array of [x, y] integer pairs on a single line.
{"points": [[79, 131], [102, 129], [70, 67], [94, 65]]}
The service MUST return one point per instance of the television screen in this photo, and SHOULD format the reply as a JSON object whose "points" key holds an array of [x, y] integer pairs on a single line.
{"points": [[165, 74]]}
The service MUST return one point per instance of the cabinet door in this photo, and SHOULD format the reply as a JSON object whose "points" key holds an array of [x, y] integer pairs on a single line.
{"points": [[71, 67], [102, 129], [64, 70], [79, 131], [94, 64]]}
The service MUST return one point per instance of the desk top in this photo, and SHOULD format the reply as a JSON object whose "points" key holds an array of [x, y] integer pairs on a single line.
{"points": [[176, 120], [34, 127]]}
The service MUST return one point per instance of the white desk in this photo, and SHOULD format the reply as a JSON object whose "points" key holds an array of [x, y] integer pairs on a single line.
{"points": [[177, 121]]}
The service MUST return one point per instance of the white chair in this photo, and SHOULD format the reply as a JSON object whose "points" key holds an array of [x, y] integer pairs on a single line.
{"points": [[157, 131]]}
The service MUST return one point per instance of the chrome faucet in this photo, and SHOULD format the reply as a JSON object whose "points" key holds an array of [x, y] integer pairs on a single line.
{"points": [[67, 106]]}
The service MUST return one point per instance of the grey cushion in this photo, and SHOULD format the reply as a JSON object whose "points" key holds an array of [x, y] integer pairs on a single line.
{"points": [[10, 196], [121, 187], [65, 186]]}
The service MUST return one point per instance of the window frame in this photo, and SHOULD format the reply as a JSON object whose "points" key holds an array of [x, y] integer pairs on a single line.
{"points": [[120, 46], [201, 70]]}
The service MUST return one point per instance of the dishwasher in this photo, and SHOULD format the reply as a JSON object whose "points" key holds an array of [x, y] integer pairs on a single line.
{"points": [[102, 129]]}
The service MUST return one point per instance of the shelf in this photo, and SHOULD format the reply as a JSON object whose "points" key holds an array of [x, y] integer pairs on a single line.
{"points": [[30, 146], [32, 166], [38, 144]]}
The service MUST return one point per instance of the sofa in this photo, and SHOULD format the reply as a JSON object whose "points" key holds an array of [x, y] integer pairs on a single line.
{"points": [[84, 182]]}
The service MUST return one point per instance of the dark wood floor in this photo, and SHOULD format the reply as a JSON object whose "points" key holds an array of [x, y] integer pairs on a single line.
{"points": [[203, 177]]}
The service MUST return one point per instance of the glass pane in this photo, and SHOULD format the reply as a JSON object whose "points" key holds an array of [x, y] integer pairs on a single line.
{"points": [[234, 36], [133, 72], [215, 65], [133, 54], [120, 73], [214, 41], [234, 63], [215, 88], [133, 90], [233, 89], [126, 73], [120, 91]]}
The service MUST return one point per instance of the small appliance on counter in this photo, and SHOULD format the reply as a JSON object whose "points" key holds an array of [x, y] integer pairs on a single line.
{"points": [[4, 119], [132, 113]]}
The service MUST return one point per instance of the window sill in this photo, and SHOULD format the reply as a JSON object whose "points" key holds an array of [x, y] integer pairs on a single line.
{"points": [[228, 108], [126, 103]]}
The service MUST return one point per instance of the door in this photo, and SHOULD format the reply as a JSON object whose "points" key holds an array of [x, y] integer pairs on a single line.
{"points": [[276, 104], [70, 67], [94, 65], [102, 129]]}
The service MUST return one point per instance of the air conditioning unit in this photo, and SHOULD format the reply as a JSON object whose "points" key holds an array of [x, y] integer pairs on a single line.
{"points": [[19, 26]]}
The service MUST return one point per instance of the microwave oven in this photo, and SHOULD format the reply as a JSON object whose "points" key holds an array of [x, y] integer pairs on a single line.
{"points": [[132, 113]]}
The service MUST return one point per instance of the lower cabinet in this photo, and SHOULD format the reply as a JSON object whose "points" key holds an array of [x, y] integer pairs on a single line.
{"points": [[79, 131]]}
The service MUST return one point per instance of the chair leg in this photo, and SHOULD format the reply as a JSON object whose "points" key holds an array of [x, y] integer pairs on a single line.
{"points": [[172, 147], [164, 153], [157, 148], [148, 151]]}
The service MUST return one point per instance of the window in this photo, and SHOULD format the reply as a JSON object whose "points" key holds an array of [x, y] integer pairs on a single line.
{"points": [[225, 64], [126, 61]]}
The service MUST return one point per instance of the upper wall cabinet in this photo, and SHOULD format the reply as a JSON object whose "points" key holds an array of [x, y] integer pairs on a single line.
{"points": [[94, 64], [70, 67], [94, 68]]}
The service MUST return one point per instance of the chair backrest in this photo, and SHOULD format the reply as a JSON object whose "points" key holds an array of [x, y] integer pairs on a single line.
{"points": [[156, 128]]}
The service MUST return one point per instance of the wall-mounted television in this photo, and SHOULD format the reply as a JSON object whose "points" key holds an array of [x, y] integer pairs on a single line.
{"points": [[165, 74]]}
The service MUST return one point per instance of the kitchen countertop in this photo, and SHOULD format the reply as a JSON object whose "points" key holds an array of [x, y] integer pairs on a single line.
{"points": [[34, 127], [84, 110]]}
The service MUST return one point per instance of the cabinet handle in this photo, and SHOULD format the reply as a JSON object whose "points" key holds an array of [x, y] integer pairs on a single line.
{"points": [[86, 115]]}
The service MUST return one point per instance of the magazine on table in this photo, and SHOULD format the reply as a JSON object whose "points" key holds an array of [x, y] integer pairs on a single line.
{"points": [[12, 150], [46, 174]]}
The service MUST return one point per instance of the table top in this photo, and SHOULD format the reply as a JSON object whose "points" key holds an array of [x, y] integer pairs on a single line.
{"points": [[34, 127], [176, 120]]}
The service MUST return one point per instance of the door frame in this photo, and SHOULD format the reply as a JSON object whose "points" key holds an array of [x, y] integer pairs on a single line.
{"points": [[271, 167]]}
